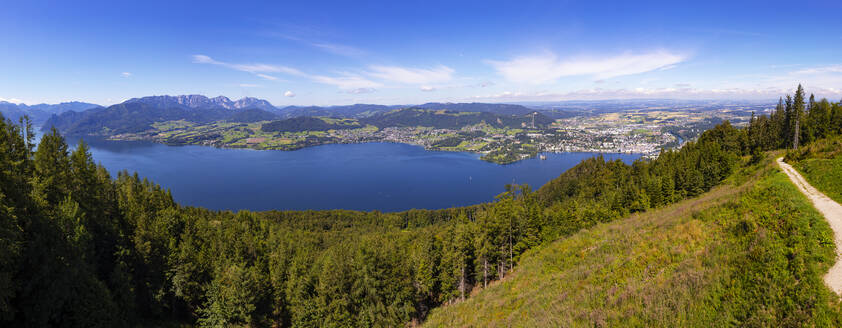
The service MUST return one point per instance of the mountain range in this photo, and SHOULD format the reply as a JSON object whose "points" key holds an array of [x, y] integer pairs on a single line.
{"points": [[41, 112], [202, 102], [138, 114]]}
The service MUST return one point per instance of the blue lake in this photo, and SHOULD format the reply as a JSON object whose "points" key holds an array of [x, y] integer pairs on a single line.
{"points": [[371, 176]]}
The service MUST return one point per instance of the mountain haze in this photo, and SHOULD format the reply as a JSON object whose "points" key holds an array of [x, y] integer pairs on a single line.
{"points": [[137, 114], [41, 112], [202, 102]]}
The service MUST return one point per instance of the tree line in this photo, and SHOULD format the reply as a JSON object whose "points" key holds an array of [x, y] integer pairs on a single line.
{"points": [[794, 122], [79, 247]]}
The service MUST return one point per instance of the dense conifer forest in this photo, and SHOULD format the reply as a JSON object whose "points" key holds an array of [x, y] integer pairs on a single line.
{"points": [[81, 248]]}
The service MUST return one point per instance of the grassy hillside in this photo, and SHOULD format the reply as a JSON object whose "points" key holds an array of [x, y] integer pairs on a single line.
{"points": [[821, 165], [748, 253]]}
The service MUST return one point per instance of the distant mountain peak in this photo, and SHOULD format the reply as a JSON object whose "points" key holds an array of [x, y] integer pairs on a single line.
{"points": [[200, 101]]}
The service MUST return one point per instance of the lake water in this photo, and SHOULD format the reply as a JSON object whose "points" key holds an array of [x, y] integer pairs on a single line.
{"points": [[371, 176]]}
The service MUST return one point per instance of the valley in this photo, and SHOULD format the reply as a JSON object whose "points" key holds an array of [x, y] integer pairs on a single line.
{"points": [[501, 134], [379, 164]]}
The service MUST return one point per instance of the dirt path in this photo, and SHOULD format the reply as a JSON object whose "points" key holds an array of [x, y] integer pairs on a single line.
{"points": [[832, 212]]}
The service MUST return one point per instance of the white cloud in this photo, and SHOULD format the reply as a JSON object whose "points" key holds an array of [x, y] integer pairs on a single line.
{"points": [[819, 70], [548, 67], [338, 49], [12, 100], [358, 91], [202, 59], [677, 92], [821, 80], [412, 75], [289, 94], [427, 88], [126, 74], [334, 48], [250, 68], [346, 81], [267, 77]]}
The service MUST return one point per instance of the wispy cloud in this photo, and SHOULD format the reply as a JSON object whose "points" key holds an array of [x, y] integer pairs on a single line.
{"points": [[345, 81], [339, 49], [427, 88], [266, 77], [12, 100], [348, 82], [548, 67], [407, 75], [686, 92], [484, 84], [126, 74], [819, 70], [309, 37], [257, 69], [359, 91], [721, 31]]}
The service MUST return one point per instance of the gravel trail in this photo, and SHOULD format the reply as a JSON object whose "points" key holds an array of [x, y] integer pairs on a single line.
{"points": [[832, 212]]}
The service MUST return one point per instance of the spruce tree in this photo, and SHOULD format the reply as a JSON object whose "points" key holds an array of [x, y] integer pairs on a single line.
{"points": [[797, 115]]}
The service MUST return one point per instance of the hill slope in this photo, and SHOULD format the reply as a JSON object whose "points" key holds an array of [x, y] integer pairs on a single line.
{"points": [[135, 116], [821, 164], [447, 119], [368, 110], [748, 255]]}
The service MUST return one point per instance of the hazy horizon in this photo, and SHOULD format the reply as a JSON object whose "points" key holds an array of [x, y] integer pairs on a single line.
{"points": [[414, 52]]}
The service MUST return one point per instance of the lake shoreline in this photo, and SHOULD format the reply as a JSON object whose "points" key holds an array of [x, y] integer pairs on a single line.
{"points": [[381, 176], [531, 156]]}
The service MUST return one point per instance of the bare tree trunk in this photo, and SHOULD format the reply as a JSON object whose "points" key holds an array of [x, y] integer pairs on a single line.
{"points": [[502, 267], [797, 132], [484, 272], [511, 253], [462, 284]]}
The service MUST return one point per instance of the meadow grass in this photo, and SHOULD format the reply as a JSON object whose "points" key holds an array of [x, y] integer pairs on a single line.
{"points": [[821, 164], [748, 253]]}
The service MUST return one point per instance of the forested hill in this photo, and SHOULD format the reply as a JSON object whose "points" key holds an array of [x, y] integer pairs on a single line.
{"points": [[409, 117], [447, 119], [750, 252], [366, 110], [348, 111], [306, 123], [135, 116], [502, 109], [83, 249], [138, 114]]}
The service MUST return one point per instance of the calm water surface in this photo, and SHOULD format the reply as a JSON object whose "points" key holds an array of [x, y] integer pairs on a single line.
{"points": [[372, 176]]}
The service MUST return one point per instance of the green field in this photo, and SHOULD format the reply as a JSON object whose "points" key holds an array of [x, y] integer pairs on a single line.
{"points": [[748, 253], [496, 143]]}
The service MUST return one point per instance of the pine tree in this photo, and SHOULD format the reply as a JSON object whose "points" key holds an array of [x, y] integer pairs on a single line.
{"points": [[15, 170], [797, 115], [52, 167]]}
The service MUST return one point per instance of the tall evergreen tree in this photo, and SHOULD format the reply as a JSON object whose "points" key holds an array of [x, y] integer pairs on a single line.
{"points": [[797, 115]]}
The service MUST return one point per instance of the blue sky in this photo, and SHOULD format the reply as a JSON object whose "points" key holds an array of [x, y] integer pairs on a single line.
{"points": [[405, 52]]}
